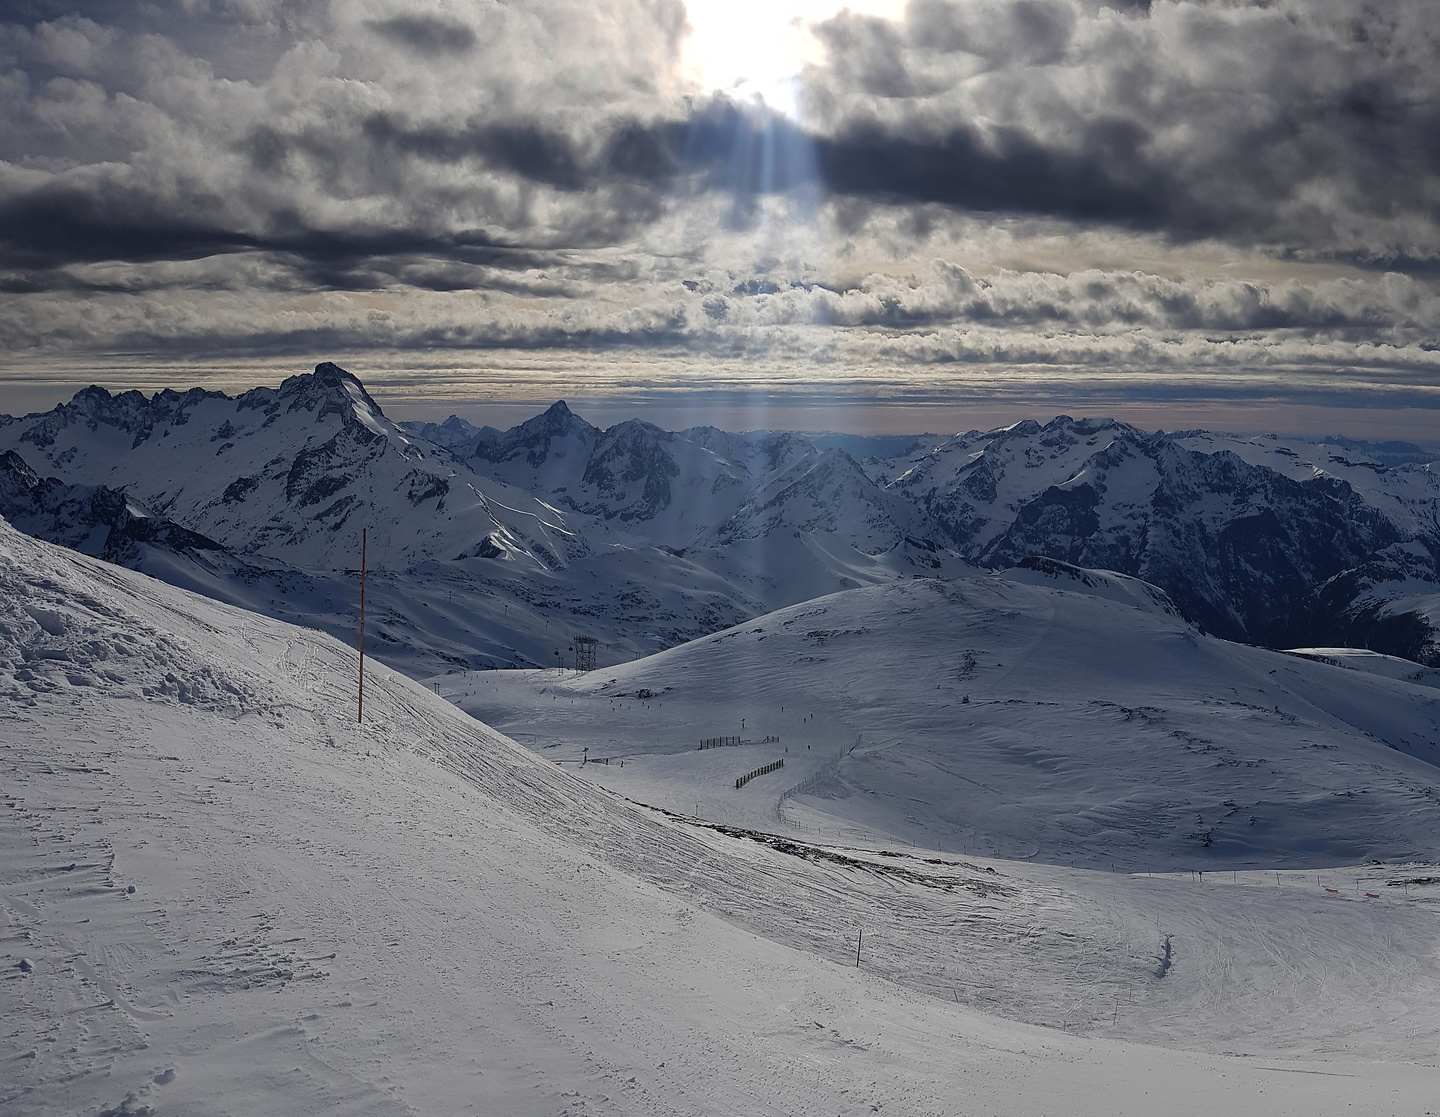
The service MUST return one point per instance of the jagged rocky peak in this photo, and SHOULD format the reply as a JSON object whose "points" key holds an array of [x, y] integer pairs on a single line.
{"points": [[536, 439], [131, 411], [824, 491], [455, 434], [629, 453], [95, 519], [1025, 428], [1083, 427], [330, 390], [16, 476]]}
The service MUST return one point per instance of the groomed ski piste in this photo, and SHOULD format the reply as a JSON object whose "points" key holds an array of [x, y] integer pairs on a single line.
{"points": [[223, 896]]}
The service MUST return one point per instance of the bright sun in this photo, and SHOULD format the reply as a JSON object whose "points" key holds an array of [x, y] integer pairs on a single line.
{"points": [[754, 48]]}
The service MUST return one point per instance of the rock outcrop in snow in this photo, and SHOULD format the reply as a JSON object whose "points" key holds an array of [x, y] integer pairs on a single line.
{"points": [[93, 519]]}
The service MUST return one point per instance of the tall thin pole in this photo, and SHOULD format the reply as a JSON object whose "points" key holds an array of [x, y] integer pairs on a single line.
{"points": [[360, 707]]}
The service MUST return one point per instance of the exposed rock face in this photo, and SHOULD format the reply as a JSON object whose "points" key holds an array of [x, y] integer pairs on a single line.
{"points": [[557, 430], [1240, 548], [92, 519], [631, 467], [654, 536], [1276, 552]]}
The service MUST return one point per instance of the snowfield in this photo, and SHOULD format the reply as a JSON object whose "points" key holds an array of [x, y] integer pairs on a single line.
{"points": [[222, 896], [1045, 713]]}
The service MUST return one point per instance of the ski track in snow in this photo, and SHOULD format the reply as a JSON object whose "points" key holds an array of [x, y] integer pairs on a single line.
{"points": [[415, 915]]}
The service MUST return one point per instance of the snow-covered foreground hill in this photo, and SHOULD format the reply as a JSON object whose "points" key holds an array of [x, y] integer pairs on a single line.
{"points": [[1047, 712], [222, 896]]}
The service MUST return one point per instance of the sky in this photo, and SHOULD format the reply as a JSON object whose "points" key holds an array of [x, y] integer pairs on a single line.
{"points": [[884, 217]]}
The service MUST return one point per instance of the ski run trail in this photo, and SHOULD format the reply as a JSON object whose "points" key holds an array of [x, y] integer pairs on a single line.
{"points": [[222, 895]]}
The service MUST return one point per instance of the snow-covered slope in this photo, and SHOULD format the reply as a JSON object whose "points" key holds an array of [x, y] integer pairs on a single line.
{"points": [[1064, 715], [289, 473], [1359, 659], [468, 569], [223, 896], [1242, 546], [494, 548]]}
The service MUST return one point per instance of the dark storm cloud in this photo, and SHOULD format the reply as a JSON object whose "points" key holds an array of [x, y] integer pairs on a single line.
{"points": [[746, 151], [523, 148], [1100, 178], [1313, 126], [60, 225], [49, 228], [120, 143], [718, 145]]}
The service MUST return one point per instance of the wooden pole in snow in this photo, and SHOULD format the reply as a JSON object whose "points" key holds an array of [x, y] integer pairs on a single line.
{"points": [[858, 941], [360, 706]]}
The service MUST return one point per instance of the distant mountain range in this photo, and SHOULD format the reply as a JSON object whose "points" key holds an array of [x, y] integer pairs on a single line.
{"points": [[1272, 541], [494, 548]]}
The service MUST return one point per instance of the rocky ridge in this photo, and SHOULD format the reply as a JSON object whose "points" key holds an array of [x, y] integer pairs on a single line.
{"points": [[491, 548]]}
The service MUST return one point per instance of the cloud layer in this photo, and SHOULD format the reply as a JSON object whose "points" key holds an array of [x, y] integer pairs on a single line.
{"points": [[1309, 126], [1050, 183]]}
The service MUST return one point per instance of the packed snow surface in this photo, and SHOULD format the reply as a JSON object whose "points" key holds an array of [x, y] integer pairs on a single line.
{"points": [[1362, 659], [222, 895]]}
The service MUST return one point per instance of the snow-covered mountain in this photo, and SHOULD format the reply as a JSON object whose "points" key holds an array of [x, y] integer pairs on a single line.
{"points": [[224, 896], [453, 434], [288, 473], [494, 548], [701, 487], [93, 519], [638, 537], [1271, 541]]}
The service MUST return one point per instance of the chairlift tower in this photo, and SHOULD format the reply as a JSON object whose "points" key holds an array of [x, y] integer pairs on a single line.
{"points": [[585, 653]]}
